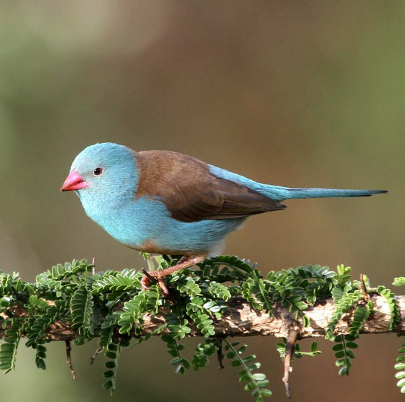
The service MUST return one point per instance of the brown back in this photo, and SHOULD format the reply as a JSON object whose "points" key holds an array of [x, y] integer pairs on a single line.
{"points": [[192, 193]]}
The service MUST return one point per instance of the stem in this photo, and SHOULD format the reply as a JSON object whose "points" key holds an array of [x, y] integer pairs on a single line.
{"points": [[69, 359], [289, 350], [243, 364]]}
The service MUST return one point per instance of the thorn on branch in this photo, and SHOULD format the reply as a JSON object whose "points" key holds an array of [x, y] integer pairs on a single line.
{"points": [[289, 350], [98, 350], [69, 359]]}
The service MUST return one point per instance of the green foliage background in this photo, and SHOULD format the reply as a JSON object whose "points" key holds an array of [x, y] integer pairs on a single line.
{"points": [[307, 94]]}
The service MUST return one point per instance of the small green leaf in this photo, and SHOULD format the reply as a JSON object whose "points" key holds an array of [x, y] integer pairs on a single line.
{"points": [[245, 378], [254, 366], [259, 376], [340, 362], [266, 392], [338, 347], [399, 281], [107, 385], [249, 387], [111, 355]]}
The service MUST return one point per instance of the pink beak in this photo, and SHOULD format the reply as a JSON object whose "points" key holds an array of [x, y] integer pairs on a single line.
{"points": [[74, 182]]}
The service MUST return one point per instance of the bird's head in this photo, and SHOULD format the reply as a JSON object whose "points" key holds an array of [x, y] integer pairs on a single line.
{"points": [[103, 172]]}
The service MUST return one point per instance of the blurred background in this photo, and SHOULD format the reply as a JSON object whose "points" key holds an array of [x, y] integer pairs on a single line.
{"points": [[301, 94]]}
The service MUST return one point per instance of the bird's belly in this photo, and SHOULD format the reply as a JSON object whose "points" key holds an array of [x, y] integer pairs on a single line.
{"points": [[146, 225], [195, 238], [150, 247]]}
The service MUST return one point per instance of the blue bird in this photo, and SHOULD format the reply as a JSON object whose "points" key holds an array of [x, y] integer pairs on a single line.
{"points": [[164, 202]]}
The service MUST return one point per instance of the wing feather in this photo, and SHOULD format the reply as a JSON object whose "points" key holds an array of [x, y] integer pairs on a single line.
{"points": [[192, 193]]}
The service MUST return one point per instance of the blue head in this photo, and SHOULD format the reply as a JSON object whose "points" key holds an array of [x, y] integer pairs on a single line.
{"points": [[103, 175]]}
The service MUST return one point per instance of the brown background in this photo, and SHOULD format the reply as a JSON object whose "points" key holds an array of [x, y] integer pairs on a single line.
{"points": [[307, 93]]}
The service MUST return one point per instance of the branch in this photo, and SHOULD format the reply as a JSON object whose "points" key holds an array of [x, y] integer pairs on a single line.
{"points": [[240, 319], [222, 297]]}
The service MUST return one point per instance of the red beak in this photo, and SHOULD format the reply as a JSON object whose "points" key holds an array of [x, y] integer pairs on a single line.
{"points": [[74, 182]]}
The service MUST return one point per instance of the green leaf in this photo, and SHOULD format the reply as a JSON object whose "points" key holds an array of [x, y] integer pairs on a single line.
{"points": [[8, 350], [203, 352], [266, 392], [245, 378], [82, 310], [338, 347], [399, 281], [401, 382], [259, 377], [249, 387], [256, 381]]}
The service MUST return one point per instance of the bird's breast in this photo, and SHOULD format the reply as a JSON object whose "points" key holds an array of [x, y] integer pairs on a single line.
{"points": [[133, 223], [145, 224]]}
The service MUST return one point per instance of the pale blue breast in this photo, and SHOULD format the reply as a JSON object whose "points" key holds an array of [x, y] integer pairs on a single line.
{"points": [[144, 221]]}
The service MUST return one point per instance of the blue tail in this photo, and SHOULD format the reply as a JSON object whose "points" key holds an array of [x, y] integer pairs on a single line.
{"points": [[297, 193], [280, 193]]}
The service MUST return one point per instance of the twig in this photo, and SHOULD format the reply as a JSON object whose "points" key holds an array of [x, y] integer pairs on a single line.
{"points": [[220, 356], [69, 359], [98, 350], [289, 350]]}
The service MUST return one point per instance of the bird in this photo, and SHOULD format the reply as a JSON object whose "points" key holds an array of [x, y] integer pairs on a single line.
{"points": [[168, 203]]}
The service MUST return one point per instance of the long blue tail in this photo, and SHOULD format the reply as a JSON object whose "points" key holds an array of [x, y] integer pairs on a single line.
{"points": [[280, 193], [297, 193]]}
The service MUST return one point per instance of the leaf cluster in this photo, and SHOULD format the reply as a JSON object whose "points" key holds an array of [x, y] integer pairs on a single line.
{"points": [[111, 305]]}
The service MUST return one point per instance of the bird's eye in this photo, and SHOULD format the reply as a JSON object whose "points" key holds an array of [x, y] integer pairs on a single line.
{"points": [[97, 171]]}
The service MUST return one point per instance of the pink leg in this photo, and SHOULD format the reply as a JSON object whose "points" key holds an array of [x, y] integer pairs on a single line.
{"points": [[184, 262]]}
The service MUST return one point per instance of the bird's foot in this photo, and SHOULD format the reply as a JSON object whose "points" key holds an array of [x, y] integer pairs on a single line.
{"points": [[157, 276]]}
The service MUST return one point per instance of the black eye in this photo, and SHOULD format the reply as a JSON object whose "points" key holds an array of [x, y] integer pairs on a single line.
{"points": [[97, 171]]}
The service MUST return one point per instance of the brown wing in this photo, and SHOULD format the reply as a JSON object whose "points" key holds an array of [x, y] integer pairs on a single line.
{"points": [[192, 193]]}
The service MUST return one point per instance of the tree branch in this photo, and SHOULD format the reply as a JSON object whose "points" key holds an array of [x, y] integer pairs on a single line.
{"points": [[241, 319]]}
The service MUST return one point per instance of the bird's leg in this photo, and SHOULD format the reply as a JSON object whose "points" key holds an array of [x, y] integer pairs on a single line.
{"points": [[158, 276], [184, 262], [183, 259], [147, 279]]}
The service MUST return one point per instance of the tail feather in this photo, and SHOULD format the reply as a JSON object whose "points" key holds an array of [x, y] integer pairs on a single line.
{"points": [[297, 193]]}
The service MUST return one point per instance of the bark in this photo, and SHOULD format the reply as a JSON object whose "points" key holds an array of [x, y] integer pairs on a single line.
{"points": [[242, 320]]}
